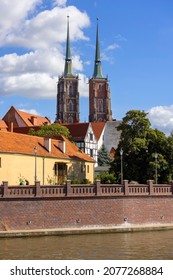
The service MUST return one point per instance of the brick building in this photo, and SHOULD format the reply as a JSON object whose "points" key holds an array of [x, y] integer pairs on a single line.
{"points": [[99, 91], [67, 90]]}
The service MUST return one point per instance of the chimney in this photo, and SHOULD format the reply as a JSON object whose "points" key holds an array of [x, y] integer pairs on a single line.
{"points": [[62, 146], [11, 127], [47, 144], [34, 120]]}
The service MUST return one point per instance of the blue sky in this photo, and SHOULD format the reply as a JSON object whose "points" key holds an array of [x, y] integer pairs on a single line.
{"points": [[136, 40]]}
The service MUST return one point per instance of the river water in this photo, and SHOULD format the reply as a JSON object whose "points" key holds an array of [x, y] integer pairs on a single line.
{"points": [[155, 245]]}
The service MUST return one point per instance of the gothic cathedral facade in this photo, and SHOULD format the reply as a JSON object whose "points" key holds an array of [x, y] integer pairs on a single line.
{"points": [[99, 91], [67, 90], [68, 95]]}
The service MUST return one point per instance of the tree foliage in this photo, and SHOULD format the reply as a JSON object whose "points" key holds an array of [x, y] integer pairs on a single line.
{"points": [[103, 156], [51, 130], [140, 144]]}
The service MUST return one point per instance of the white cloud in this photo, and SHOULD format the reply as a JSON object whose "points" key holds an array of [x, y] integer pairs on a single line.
{"points": [[33, 62], [35, 73], [30, 111], [48, 28], [13, 13], [112, 47], [32, 76], [37, 85], [83, 85], [119, 37], [161, 117], [60, 3]]}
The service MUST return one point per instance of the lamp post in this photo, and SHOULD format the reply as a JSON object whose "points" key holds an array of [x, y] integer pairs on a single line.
{"points": [[156, 156], [121, 154], [35, 153]]}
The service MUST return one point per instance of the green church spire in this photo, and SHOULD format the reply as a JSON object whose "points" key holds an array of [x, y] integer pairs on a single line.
{"points": [[97, 66], [68, 60]]}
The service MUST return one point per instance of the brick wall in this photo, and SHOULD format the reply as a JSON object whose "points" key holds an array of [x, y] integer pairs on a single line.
{"points": [[39, 213]]}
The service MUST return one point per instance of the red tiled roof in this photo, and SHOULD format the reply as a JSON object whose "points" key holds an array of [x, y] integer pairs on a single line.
{"points": [[98, 128], [25, 118], [28, 117], [3, 125], [25, 129], [22, 143], [77, 130]]}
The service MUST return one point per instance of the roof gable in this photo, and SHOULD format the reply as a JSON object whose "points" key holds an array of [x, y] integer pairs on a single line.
{"points": [[3, 125], [98, 128], [78, 131], [24, 144], [20, 118]]}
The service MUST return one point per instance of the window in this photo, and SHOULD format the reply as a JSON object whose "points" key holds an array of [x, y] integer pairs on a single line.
{"points": [[82, 168], [91, 136], [91, 152], [71, 90], [88, 168], [100, 106], [70, 106], [100, 88], [70, 120], [60, 169]]}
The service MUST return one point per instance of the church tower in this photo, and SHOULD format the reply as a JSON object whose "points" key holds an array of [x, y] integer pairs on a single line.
{"points": [[99, 92], [67, 90]]}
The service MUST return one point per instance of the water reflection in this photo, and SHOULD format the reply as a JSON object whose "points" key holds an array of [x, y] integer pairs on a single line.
{"points": [[128, 246]]}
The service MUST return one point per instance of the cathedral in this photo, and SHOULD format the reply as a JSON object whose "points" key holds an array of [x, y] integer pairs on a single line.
{"points": [[68, 94]]}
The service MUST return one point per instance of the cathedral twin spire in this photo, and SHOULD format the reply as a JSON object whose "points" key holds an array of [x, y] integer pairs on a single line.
{"points": [[97, 66], [68, 95], [68, 60]]}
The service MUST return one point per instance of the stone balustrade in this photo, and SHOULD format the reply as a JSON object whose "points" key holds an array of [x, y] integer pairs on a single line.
{"points": [[89, 190]]}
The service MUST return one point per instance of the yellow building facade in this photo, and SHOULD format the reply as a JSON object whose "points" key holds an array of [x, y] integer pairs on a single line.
{"points": [[29, 157]]}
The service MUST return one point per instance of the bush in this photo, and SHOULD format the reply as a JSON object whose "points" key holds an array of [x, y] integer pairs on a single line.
{"points": [[85, 181], [75, 181], [108, 179]]}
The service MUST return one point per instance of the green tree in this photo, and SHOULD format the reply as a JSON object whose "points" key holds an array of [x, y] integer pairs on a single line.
{"points": [[140, 143], [103, 156], [51, 130]]}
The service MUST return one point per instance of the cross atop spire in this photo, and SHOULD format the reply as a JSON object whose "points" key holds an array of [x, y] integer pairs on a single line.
{"points": [[68, 60], [97, 66]]}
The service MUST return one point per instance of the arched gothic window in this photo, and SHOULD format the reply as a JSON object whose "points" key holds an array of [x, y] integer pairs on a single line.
{"points": [[70, 106], [100, 88], [71, 90], [70, 120], [100, 106]]}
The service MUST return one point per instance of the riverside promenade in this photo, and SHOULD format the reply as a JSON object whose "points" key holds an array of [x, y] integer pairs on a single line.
{"points": [[89, 230], [82, 209]]}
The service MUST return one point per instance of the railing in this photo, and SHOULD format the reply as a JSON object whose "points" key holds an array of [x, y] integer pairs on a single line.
{"points": [[52, 191], [88, 190], [162, 189], [107, 189], [134, 189]]}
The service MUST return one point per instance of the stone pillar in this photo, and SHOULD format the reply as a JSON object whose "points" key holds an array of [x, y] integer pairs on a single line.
{"points": [[172, 187], [37, 188], [68, 188], [98, 188], [126, 187], [150, 187], [5, 190]]}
